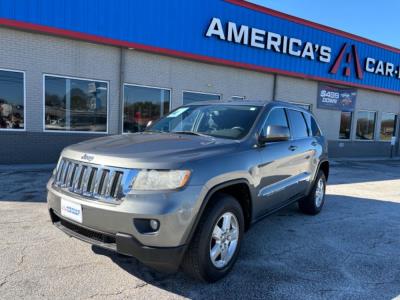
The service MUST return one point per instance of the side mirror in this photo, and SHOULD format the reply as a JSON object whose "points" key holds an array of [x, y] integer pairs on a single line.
{"points": [[275, 133]]}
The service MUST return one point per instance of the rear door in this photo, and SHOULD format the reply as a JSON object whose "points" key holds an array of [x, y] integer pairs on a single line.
{"points": [[317, 143], [302, 147]]}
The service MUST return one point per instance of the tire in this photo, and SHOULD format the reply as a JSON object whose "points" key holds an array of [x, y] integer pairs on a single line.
{"points": [[312, 204], [197, 261]]}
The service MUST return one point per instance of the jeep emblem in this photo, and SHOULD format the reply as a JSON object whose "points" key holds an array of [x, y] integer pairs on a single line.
{"points": [[87, 157]]}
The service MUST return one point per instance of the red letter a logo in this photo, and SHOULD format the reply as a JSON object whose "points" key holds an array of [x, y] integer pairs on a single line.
{"points": [[353, 55]]}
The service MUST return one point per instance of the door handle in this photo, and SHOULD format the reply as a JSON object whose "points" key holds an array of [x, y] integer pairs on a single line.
{"points": [[314, 143], [292, 148]]}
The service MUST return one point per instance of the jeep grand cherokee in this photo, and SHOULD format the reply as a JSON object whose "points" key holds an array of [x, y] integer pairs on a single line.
{"points": [[183, 192]]}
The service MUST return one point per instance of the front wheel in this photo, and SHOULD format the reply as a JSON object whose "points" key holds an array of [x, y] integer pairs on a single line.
{"points": [[216, 243], [313, 203]]}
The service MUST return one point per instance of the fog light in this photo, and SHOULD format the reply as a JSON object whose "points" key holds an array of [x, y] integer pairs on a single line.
{"points": [[146, 226], [154, 224]]}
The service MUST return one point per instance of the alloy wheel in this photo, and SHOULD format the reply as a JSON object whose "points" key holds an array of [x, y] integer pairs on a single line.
{"points": [[319, 192], [224, 240]]}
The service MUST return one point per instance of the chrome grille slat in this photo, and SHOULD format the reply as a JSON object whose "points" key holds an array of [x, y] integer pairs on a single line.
{"points": [[74, 178], [99, 177], [77, 179], [85, 179], [70, 174], [117, 188], [60, 170], [93, 181], [65, 174], [81, 179], [110, 183], [104, 182]]}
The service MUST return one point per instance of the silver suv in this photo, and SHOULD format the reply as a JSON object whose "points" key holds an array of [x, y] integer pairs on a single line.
{"points": [[183, 192]]}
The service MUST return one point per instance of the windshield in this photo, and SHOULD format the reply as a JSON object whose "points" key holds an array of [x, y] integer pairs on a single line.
{"points": [[222, 121]]}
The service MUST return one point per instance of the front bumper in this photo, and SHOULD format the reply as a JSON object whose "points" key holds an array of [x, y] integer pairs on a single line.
{"points": [[112, 226], [165, 259]]}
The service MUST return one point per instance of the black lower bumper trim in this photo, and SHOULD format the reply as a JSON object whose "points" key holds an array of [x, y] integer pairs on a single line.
{"points": [[164, 259]]}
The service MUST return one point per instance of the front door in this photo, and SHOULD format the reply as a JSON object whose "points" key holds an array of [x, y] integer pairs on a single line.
{"points": [[278, 167]]}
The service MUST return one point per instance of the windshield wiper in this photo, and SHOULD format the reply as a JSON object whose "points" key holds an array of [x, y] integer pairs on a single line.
{"points": [[191, 133]]}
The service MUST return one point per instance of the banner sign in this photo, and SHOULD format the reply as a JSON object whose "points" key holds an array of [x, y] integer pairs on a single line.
{"points": [[336, 98], [229, 32]]}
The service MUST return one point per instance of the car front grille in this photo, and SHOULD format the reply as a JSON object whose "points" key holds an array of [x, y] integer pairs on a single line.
{"points": [[97, 182]]}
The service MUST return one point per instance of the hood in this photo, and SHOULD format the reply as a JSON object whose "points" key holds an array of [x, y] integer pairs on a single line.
{"points": [[148, 150]]}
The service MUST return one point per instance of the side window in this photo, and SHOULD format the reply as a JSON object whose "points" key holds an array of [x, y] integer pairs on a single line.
{"points": [[276, 117], [298, 124], [312, 125]]}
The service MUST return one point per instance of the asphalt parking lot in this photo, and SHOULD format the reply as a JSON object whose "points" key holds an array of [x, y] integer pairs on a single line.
{"points": [[349, 251]]}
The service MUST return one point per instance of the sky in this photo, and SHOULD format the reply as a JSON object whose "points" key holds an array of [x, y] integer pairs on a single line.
{"points": [[372, 19]]}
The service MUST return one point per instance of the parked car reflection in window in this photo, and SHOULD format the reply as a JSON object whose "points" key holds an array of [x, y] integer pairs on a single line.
{"points": [[143, 104], [11, 100], [75, 104]]}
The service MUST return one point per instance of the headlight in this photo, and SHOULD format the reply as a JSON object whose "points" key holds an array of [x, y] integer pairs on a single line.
{"points": [[151, 180]]}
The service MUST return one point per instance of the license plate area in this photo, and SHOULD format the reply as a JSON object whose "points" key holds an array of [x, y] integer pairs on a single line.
{"points": [[71, 210]]}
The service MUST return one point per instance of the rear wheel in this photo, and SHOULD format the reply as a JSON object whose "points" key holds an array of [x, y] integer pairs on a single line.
{"points": [[313, 203], [216, 243]]}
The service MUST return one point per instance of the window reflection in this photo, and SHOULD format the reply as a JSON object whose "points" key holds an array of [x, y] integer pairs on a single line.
{"points": [[345, 125], [388, 124], [189, 97], [11, 100], [365, 125], [142, 105], [299, 127], [75, 104]]}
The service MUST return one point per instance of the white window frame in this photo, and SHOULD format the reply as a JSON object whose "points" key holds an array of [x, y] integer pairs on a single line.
{"points": [[380, 125], [375, 126], [75, 131], [24, 83], [144, 86], [238, 98], [351, 126], [200, 93]]}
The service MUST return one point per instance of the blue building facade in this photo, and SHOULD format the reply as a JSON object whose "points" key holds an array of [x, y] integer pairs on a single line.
{"points": [[230, 32], [354, 83]]}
